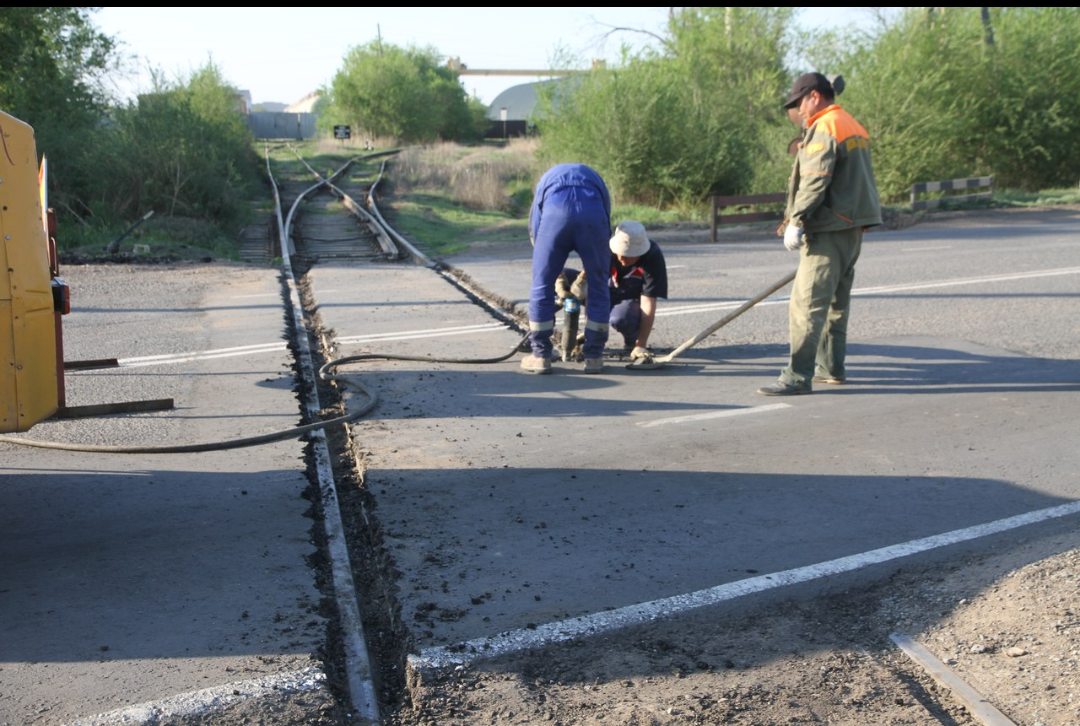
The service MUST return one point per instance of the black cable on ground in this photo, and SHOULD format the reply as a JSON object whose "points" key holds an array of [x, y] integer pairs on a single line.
{"points": [[324, 374]]}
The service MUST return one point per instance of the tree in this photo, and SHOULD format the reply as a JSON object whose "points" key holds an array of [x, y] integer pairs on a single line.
{"points": [[52, 65], [183, 149], [402, 93], [941, 101], [675, 125]]}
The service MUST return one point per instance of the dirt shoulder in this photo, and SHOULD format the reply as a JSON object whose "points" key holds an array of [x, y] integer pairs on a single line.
{"points": [[1006, 624]]}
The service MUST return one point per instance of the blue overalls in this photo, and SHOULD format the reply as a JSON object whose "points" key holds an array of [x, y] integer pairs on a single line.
{"points": [[571, 212], [626, 289]]}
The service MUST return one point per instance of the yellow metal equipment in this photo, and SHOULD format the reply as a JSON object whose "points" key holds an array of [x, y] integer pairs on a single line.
{"points": [[28, 347]]}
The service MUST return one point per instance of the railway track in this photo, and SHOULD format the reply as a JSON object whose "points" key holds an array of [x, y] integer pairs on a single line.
{"points": [[333, 218], [321, 218]]}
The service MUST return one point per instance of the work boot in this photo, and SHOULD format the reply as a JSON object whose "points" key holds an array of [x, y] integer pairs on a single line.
{"points": [[535, 364], [594, 365], [783, 389], [823, 376]]}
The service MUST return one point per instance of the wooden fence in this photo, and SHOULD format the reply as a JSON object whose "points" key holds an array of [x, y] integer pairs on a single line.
{"points": [[719, 203]]}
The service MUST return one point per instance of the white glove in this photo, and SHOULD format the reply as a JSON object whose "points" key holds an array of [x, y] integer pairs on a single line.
{"points": [[639, 353], [794, 237], [580, 287]]}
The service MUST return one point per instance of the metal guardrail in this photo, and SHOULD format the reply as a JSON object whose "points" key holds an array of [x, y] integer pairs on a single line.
{"points": [[950, 185], [719, 203]]}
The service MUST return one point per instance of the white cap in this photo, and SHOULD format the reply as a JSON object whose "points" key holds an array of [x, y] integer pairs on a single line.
{"points": [[629, 239]]}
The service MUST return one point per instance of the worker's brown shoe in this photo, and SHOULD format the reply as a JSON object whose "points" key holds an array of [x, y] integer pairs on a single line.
{"points": [[830, 380], [535, 364]]}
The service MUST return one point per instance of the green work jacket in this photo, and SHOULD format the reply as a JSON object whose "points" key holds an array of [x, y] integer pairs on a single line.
{"points": [[832, 182]]}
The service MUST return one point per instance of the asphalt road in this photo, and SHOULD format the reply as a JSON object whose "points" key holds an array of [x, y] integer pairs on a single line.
{"points": [[522, 508], [519, 508], [162, 582]]}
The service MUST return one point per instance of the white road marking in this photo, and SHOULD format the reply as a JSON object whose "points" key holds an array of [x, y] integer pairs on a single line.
{"points": [[427, 333], [968, 281], [209, 700], [714, 414], [589, 625], [731, 305], [237, 350], [174, 358]]}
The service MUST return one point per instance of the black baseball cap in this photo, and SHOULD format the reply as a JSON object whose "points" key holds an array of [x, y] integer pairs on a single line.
{"points": [[806, 83]]}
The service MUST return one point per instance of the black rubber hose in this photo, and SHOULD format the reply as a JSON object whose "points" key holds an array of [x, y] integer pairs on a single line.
{"points": [[324, 374]]}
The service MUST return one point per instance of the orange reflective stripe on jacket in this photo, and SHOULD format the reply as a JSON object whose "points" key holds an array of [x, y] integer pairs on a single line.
{"points": [[842, 127], [832, 181]]}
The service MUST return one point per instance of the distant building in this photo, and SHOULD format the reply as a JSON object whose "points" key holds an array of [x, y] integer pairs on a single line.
{"points": [[519, 103], [278, 121]]}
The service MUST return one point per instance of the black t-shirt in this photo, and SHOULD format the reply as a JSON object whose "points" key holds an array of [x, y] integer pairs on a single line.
{"points": [[647, 276]]}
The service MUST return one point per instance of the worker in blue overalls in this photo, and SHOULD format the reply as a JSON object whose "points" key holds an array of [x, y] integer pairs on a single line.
{"points": [[571, 212]]}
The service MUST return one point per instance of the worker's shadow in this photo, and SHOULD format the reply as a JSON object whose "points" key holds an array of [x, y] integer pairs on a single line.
{"points": [[923, 365], [706, 380]]}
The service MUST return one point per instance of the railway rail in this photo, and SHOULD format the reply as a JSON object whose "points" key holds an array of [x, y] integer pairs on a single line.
{"points": [[336, 220], [331, 224]]}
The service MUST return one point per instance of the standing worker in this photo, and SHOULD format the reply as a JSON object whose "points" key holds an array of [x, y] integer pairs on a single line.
{"points": [[831, 200], [571, 212]]}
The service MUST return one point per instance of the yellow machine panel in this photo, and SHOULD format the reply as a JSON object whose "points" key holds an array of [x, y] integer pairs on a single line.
{"points": [[28, 378]]}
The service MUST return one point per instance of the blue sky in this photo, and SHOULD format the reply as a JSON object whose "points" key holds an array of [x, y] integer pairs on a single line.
{"points": [[281, 54]]}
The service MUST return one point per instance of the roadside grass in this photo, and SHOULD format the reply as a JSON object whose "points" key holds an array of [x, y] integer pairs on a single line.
{"points": [[1008, 199], [181, 238], [444, 226], [1044, 198], [449, 196], [652, 217], [495, 177], [445, 196]]}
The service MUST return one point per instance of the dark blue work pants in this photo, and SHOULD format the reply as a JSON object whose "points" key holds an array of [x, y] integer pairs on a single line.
{"points": [[571, 222]]}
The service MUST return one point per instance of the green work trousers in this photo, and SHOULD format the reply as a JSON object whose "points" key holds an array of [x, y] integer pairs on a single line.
{"points": [[819, 306]]}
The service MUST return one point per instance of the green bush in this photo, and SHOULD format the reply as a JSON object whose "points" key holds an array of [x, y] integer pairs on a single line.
{"points": [[1028, 128], [402, 93], [947, 94], [183, 150], [673, 128]]}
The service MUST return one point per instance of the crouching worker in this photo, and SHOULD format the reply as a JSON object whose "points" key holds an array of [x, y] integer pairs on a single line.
{"points": [[571, 212], [638, 278]]}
